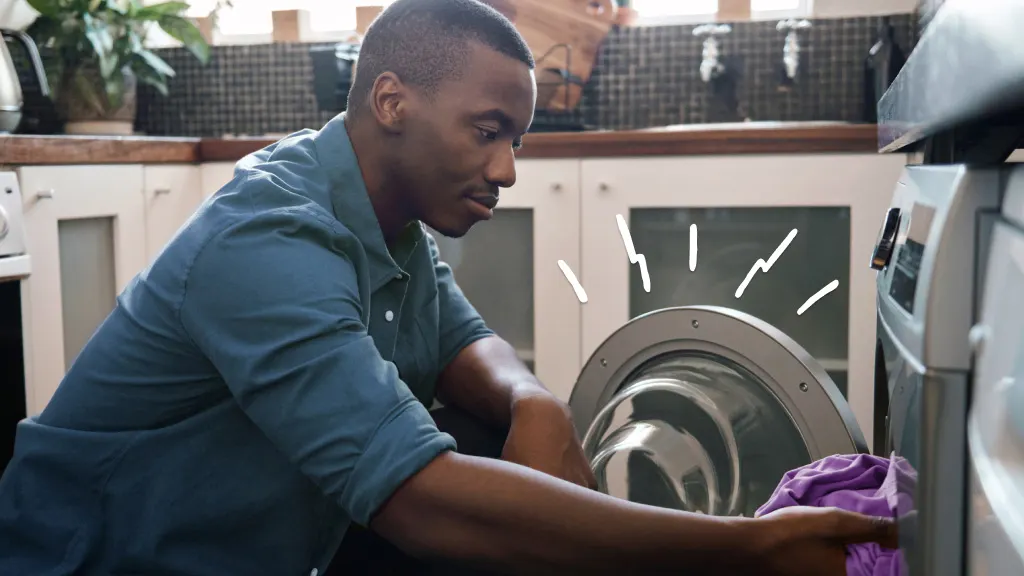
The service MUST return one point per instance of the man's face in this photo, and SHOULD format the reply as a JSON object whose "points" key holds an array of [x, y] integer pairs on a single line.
{"points": [[458, 147]]}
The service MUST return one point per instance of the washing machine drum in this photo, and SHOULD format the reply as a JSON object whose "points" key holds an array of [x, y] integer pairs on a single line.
{"points": [[705, 409]]}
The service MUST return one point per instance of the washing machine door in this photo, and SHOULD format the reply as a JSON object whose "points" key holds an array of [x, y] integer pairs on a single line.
{"points": [[704, 409]]}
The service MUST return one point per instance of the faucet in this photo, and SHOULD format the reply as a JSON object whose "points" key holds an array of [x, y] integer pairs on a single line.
{"points": [[710, 67], [791, 47]]}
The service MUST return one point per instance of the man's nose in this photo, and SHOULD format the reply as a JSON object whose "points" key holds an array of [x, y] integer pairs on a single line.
{"points": [[501, 170]]}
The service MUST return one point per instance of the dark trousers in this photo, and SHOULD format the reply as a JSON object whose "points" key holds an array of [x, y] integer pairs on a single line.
{"points": [[364, 552]]}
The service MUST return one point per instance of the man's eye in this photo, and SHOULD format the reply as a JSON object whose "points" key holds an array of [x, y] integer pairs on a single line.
{"points": [[488, 134]]}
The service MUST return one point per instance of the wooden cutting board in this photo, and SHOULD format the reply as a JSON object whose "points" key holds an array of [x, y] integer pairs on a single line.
{"points": [[545, 24]]}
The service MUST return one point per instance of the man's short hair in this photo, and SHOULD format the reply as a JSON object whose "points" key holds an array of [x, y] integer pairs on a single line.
{"points": [[426, 42]]}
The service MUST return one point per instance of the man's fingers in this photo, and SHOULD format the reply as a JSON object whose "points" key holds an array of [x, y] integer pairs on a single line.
{"points": [[855, 528]]}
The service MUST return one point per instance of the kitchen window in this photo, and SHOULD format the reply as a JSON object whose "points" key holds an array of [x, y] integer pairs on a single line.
{"points": [[666, 12], [251, 21]]}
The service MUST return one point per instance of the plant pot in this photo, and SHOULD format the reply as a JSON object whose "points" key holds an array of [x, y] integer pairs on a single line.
{"points": [[84, 104]]}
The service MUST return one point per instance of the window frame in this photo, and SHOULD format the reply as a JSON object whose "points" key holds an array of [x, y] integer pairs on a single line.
{"points": [[804, 9]]}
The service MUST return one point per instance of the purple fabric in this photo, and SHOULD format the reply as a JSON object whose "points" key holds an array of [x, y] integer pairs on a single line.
{"points": [[859, 483]]}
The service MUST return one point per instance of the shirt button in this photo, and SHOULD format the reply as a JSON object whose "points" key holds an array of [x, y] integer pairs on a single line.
{"points": [[398, 276], [314, 572], [389, 316]]}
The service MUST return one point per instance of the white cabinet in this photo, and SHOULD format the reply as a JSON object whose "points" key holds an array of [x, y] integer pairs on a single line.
{"points": [[742, 208], [214, 175], [86, 232], [508, 269], [172, 193], [91, 228]]}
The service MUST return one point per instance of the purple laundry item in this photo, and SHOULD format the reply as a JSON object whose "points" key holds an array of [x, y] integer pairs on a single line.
{"points": [[860, 483]]}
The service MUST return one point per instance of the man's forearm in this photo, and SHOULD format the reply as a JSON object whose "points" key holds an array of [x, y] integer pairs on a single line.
{"points": [[486, 379], [512, 519]]}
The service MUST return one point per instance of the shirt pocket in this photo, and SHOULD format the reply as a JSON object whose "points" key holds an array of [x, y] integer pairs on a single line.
{"points": [[418, 350]]}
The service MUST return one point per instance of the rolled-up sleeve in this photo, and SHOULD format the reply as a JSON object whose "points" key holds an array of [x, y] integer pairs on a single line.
{"points": [[459, 323], [274, 303]]}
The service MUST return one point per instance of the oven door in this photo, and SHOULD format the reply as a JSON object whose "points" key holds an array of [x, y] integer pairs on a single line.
{"points": [[704, 409], [926, 426]]}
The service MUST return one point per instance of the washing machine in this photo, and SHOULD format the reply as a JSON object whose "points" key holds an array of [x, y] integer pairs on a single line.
{"points": [[704, 409], [930, 257], [996, 423]]}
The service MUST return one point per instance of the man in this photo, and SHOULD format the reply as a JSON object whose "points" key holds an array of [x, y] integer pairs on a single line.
{"points": [[263, 384]]}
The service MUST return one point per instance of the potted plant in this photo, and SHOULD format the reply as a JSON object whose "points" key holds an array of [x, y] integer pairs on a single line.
{"points": [[98, 56]]}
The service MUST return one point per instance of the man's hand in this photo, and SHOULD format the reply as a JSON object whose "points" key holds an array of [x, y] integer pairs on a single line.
{"points": [[542, 437], [802, 541]]}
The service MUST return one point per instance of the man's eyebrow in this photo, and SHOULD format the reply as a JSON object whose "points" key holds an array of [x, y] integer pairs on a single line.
{"points": [[499, 116]]}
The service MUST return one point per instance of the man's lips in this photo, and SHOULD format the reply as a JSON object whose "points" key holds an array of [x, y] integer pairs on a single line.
{"points": [[488, 201]]}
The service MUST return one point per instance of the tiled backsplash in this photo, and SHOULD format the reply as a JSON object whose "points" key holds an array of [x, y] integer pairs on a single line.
{"points": [[644, 76]]}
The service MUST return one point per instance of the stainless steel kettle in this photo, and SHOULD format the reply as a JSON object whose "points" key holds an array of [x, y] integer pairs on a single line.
{"points": [[10, 86]]}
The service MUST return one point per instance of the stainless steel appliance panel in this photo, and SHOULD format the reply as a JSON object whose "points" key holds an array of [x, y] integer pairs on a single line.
{"points": [[996, 429]]}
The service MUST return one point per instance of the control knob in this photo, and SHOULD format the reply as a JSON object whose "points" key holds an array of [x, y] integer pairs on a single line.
{"points": [[887, 240]]}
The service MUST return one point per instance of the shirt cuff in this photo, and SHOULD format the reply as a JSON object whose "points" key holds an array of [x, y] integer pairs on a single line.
{"points": [[405, 442]]}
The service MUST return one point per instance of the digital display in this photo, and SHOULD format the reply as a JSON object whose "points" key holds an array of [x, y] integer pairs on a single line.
{"points": [[908, 257]]}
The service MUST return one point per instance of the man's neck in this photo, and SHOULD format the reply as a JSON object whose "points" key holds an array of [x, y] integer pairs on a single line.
{"points": [[373, 161]]}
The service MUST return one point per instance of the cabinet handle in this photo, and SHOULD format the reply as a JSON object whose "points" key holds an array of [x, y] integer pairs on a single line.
{"points": [[44, 194], [556, 187], [162, 191], [603, 187]]}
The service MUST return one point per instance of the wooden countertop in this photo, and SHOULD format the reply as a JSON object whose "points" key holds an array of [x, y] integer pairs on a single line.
{"points": [[684, 140], [22, 150]]}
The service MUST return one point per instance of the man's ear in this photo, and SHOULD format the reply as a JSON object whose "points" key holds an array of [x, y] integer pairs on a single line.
{"points": [[388, 101]]}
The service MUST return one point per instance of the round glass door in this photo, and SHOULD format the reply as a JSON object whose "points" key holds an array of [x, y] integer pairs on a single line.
{"points": [[705, 409]]}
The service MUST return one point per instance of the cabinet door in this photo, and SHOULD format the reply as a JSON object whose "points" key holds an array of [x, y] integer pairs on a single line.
{"points": [[743, 209], [508, 268], [86, 234], [172, 194], [214, 176]]}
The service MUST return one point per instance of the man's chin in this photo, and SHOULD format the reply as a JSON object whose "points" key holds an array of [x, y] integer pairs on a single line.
{"points": [[449, 231]]}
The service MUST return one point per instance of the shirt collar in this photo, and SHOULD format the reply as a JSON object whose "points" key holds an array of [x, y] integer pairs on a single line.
{"points": [[351, 204]]}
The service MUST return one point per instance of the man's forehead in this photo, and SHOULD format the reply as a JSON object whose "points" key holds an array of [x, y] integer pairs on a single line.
{"points": [[496, 76]]}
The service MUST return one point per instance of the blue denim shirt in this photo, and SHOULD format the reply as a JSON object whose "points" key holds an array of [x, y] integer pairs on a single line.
{"points": [[258, 387]]}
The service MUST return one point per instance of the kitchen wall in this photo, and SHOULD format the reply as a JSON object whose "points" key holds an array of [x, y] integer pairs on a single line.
{"points": [[644, 76]]}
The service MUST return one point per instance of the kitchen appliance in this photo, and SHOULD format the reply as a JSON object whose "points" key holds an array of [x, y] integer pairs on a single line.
{"points": [[996, 424], [15, 265], [929, 256], [334, 69], [882, 65], [11, 97], [931, 280], [704, 409]]}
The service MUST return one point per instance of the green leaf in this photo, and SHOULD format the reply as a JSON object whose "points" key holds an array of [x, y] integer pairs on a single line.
{"points": [[116, 6], [156, 63], [188, 34], [146, 75], [157, 11], [115, 90], [83, 88], [49, 8], [98, 34]]}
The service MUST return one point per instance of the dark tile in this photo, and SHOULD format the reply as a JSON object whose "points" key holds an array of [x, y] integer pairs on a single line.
{"points": [[642, 77]]}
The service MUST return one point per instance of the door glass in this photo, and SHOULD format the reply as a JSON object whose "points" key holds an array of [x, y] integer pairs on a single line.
{"points": [[730, 241], [696, 432], [493, 265], [88, 283]]}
